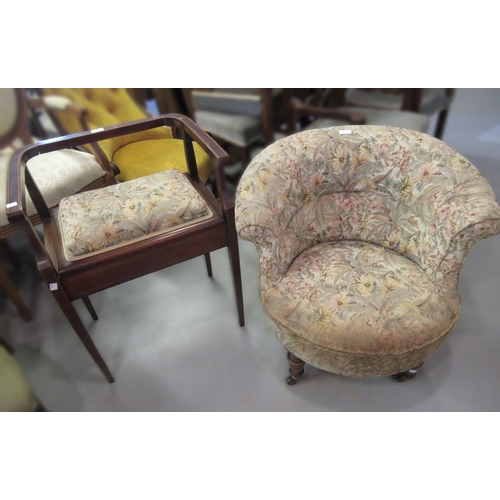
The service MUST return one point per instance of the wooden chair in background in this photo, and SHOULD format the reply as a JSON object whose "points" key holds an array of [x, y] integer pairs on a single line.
{"points": [[105, 107], [426, 101], [322, 108], [239, 118]]}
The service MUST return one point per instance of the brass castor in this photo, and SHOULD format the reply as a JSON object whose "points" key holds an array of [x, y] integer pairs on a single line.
{"points": [[296, 368], [404, 376]]}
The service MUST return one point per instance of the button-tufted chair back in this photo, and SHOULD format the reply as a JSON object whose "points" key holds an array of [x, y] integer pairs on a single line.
{"points": [[136, 155], [105, 107]]}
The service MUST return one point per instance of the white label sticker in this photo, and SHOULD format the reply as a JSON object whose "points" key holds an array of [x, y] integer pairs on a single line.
{"points": [[342, 132], [53, 286], [10, 205]]}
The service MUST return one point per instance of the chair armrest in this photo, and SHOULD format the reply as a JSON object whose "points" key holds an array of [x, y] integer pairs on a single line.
{"points": [[213, 149], [16, 195], [448, 272]]}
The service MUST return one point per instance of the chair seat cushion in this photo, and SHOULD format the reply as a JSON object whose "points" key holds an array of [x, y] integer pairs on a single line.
{"points": [[96, 221], [402, 119], [141, 158], [358, 301], [57, 174]]}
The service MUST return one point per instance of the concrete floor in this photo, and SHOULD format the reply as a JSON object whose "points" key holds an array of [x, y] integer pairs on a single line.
{"points": [[173, 342]]}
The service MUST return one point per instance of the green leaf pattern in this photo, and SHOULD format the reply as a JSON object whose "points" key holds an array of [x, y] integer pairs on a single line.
{"points": [[95, 221], [364, 234]]}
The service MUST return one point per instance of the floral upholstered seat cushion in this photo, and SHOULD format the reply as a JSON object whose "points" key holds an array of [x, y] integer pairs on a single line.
{"points": [[356, 298], [97, 220]]}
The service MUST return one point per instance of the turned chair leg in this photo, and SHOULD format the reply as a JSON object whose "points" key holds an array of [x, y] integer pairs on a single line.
{"points": [[404, 376], [296, 368]]}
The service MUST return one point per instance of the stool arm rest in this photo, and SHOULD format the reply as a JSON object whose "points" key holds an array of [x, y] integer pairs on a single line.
{"points": [[213, 149]]}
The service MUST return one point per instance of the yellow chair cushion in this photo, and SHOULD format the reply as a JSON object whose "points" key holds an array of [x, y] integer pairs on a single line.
{"points": [[106, 107], [141, 158], [15, 393], [136, 154]]}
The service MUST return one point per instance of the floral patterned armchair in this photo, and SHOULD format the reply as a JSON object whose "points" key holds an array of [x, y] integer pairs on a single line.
{"points": [[361, 233]]}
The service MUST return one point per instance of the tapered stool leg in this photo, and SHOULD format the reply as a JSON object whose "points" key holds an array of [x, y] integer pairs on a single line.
{"points": [[90, 308], [208, 262], [234, 258], [70, 312]]}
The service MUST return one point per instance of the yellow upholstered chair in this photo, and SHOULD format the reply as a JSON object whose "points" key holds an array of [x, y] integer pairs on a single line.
{"points": [[137, 154]]}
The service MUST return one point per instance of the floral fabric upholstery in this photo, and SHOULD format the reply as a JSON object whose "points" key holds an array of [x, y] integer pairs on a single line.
{"points": [[361, 237], [379, 303], [97, 220]]}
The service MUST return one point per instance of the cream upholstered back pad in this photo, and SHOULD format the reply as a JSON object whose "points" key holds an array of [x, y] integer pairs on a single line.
{"points": [[399, 189], [57, 174]]}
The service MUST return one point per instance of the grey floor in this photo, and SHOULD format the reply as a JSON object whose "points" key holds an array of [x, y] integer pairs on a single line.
{"points": [[173, 343]]}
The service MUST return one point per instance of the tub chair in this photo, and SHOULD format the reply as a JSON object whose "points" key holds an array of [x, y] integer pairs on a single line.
{"points": [[361, 232]]}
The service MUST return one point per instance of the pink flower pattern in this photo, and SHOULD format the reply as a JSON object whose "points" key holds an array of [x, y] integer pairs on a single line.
{"points": [[361, 238], [98, 220]]}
